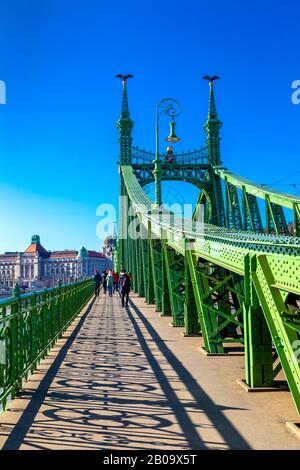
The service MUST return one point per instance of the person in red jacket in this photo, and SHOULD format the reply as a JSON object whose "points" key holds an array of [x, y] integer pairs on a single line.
{"points": [[116, 280]]}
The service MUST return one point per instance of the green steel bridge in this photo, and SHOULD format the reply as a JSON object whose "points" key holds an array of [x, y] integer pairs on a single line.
{"points": [[230, 273]]}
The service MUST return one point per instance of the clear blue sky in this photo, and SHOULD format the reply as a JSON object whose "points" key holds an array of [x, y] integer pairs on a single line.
{"points": [[58, 136]]}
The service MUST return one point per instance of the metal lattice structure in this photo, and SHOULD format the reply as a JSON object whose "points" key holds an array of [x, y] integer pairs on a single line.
{"points": [[232, 272], [30, 325]]}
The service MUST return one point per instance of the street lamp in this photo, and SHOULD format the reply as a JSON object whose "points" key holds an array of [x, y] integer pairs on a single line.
{"points": [[171, 108]]}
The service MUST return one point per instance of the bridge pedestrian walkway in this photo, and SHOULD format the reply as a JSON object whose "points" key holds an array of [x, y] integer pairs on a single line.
{"points": [[124, 379]]}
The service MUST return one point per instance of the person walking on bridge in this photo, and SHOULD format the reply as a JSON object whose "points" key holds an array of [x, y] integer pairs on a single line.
{"points": [[97, 281], [103, 279], [124, 287], [110, 283], [116, 280]]}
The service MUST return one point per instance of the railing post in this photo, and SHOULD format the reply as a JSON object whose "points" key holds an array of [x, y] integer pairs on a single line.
{"points": [[166, 304], [16, 335], [257, 338], [191, 321]]}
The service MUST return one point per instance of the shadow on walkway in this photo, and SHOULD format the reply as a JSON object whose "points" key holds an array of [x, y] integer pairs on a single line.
{"points": [[19, 432], [115, 385], [229, 433]]}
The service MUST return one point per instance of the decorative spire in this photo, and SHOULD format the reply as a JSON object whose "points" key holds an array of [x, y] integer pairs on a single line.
{"points": [[125, 124], [212, 110], [212, 125], [83, 253], [36, 239]]}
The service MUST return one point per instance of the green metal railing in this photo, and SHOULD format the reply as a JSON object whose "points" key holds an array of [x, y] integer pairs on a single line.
{"points": [[30, 325]]}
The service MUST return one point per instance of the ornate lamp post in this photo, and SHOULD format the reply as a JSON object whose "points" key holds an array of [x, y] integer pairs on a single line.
{"points": [[172, 108]]}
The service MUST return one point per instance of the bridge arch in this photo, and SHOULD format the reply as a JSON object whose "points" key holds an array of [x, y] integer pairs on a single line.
{"points": [[203, 212]]}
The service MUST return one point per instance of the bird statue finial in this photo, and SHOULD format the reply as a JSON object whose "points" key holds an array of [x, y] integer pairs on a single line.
{"points": [[124, 78], [211, 79]]}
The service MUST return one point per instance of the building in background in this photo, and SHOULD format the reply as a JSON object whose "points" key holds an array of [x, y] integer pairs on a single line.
{"points": [[37, 268], [110, 247]]}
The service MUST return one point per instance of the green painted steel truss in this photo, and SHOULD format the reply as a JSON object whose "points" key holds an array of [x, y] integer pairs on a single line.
{"points": [[190, 167], [232, 272], [208, 284]]}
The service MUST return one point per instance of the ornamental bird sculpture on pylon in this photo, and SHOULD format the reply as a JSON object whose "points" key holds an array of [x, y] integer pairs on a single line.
{"points": [[124, 77], [210, 79]]}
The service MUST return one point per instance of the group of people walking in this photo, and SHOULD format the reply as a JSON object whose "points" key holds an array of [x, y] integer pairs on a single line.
{"points": [[112, 282]]}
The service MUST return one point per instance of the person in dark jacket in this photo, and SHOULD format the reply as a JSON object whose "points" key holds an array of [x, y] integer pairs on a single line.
{"points": [[97, 281], [124, 282], [104, 283]]}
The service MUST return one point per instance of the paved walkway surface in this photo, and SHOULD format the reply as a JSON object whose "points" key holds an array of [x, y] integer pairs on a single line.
{"points": [[124, 379]]}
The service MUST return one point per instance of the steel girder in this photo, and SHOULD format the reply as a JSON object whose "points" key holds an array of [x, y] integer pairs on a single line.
{"points": [[167, 309], [191, 317], [221, 246], [212, 197], [174, 269], [296, 219], [251, 215], [280, 303], [146, 271], [156, 259], [265, 306], [140, 274], [192, 173], [218, 297], [123, 226], [257, 337], [275, 202], [218, 210], [275, 219], [233, 212], [150, 293], [241, 206]]}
